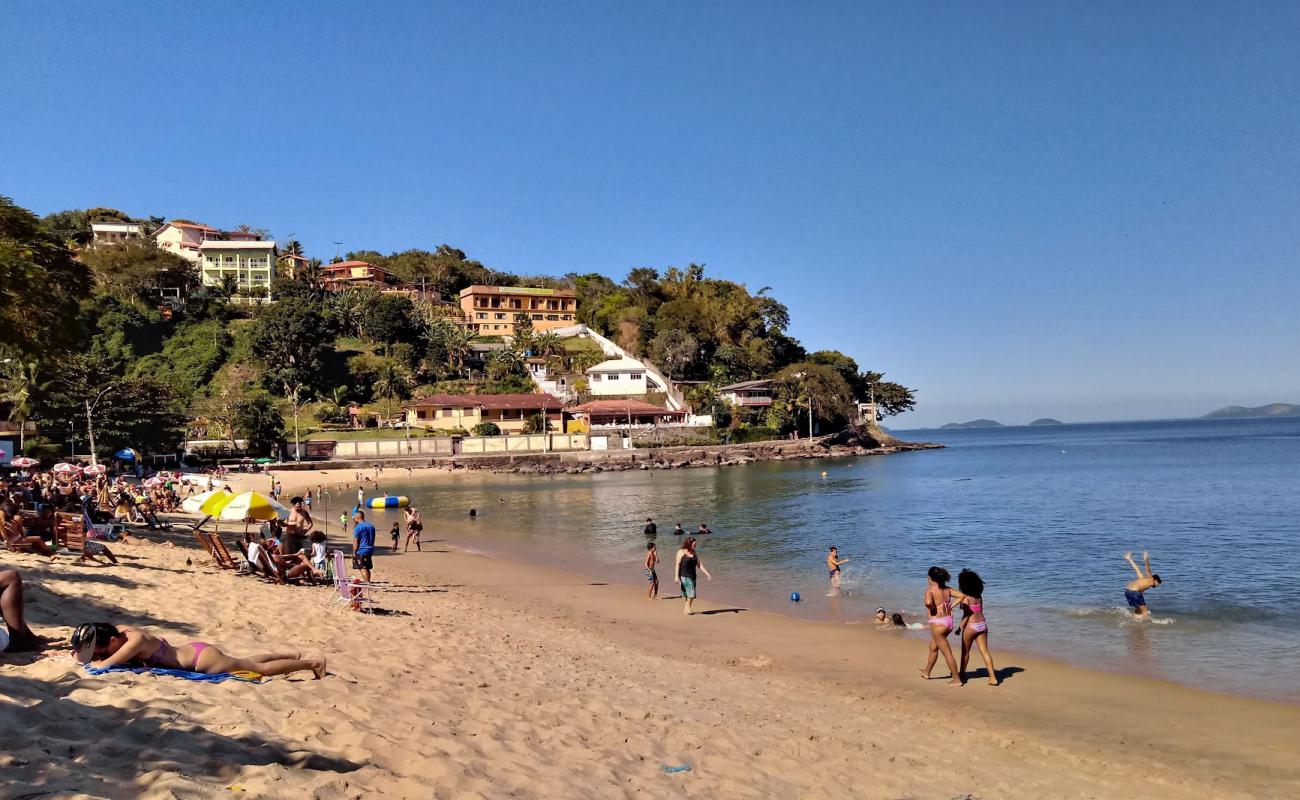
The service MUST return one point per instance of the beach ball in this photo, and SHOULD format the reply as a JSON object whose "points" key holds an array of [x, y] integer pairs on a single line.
{"points": [[794, 597]]}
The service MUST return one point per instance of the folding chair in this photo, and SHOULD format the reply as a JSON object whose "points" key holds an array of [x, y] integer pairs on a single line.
{"points": [[352, 592]]}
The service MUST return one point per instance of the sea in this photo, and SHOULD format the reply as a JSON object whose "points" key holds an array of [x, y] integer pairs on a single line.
{"points": [[1043, 514]]}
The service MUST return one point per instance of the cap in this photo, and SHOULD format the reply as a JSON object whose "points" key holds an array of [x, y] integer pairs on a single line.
{"points": [[83, 643]]}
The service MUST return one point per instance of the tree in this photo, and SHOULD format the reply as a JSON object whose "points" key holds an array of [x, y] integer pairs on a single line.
{"points": [[189, 358], [502, 364], [260, 422], [535, 424], [674, 349], [41, 283], [391, 318], [891, 398], [816, 389], [18, 384], [138, 269], [292, 338], [486, 429], [392, 382]]}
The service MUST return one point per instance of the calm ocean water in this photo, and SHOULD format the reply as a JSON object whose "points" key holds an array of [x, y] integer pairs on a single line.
{"points": [[1043, 514]]}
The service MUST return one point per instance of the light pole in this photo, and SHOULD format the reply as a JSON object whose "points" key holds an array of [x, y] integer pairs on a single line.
{"points": [[90, 427]]}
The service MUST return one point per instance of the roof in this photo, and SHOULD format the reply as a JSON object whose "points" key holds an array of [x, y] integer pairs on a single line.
{"points": [[637, 408], [193, 225], [493, 401], [259, 244], [113, 225], [618, 365], [350, 264], [293, 257], [535, 291], [743, 385]]}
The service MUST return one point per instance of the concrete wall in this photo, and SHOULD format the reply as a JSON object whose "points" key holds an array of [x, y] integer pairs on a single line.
{"points": [[442, 446]]}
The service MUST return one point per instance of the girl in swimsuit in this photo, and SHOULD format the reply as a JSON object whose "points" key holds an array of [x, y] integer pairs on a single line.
{"points": [[938, 605], [974, 627], [102, 645]]}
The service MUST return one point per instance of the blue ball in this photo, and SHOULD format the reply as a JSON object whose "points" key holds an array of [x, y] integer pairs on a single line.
{"points": [[794, 597]]}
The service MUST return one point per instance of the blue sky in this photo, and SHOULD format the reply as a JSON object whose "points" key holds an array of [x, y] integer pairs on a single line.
{"points": [[1039, 209]]}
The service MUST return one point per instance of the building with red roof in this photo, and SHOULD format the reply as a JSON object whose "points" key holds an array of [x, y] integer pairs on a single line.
{"points": [[509, 412]]}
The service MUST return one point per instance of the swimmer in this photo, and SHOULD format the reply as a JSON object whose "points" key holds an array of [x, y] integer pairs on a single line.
{"points": [[881, 617], [1135, 592]]}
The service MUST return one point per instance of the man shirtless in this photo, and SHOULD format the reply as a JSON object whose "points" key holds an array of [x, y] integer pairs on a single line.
{"points": [[297, 527], [1133, 593]]}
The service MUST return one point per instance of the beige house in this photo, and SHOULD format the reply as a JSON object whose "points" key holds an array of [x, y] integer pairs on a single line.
{"points": [[185, 238], [250, 264], [509, 412], [114, 232], [494, 310]]}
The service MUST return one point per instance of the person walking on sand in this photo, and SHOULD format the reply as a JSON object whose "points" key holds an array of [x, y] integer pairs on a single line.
{"points": [[1135, 592], [684, 572], [651, 574], [833, 564], [974, 627], [938, 606], [414, 527], [103, 645], [363, 538]]}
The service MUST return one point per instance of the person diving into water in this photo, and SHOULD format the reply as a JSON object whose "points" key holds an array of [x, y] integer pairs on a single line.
{"points": [[1135, 592]]}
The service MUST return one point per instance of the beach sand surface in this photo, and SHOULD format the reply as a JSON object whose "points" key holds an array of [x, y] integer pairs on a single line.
{"points": [[485, 678]]}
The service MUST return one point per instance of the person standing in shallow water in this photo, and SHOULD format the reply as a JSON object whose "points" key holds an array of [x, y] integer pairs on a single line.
{"points": [[651, 574], [684, 572], [938, 607]]}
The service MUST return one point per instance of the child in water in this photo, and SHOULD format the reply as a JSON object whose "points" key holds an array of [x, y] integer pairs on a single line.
{"points": [[833, 564]]}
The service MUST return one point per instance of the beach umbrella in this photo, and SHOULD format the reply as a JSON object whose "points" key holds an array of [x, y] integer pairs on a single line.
{"points": [[212, 506], [264, 460], [127, 454], [194, 505], [95, 469], [156, 480], [23, 462], [64, 468], [251, 505]]}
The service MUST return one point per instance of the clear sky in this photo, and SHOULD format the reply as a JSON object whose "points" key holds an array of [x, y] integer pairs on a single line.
{"points": [[1084, 211]]}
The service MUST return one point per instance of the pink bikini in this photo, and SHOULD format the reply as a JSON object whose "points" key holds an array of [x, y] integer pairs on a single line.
{"points": [[946, 611], [982, 625]]}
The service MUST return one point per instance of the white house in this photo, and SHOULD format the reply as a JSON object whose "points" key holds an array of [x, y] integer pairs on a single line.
{"points": [[114, 232], [249, 263], [620, 377]]}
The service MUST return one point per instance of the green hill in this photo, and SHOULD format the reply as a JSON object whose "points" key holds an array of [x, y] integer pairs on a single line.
{"points": [[1046, 421], [1242, 412], [975, 423]]}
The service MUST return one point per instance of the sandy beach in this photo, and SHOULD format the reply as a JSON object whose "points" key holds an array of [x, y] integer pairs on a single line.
{"points": [[488, 678]]}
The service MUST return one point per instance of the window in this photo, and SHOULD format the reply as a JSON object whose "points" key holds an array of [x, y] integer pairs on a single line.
{"points": [[230, 259], [537, 316], [501, 316], [613, 376], [447, 412], [595, 377], [481, 315], [568, 316], [636, 376], [552, 317]]}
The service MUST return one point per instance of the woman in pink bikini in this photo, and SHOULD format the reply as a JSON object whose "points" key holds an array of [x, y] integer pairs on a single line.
{"points": [[104, 645], [938, 606], [974, 627]]}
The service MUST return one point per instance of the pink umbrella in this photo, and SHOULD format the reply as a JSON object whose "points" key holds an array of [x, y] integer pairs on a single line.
{"points": [[23, 462], [155, 481], [95, 469], [64, 468]]}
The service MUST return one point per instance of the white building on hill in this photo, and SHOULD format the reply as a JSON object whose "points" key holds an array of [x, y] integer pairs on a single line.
{"points": [[620, 377]]}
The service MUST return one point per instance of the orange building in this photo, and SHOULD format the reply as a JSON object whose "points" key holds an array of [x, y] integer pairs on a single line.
{"points": [[494, 310]]}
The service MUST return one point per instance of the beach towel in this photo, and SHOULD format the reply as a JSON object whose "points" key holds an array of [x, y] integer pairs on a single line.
{"points": [[246, 677]]}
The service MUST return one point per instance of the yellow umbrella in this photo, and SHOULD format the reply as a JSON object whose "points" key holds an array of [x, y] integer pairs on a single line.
{"points": [[251, 505], [215, 502]]}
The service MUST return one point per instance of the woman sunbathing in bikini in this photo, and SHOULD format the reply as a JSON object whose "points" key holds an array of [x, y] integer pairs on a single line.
{"points": [[102, 645]]}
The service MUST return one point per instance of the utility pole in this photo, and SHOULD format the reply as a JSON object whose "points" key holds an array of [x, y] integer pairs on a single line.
{"points": [[90, 427]]}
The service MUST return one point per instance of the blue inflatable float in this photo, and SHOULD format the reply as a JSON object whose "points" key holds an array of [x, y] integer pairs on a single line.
{"points": [[389, 501]]}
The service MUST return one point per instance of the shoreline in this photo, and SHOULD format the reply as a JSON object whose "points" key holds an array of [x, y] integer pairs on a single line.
{"points": [[487, 677]]}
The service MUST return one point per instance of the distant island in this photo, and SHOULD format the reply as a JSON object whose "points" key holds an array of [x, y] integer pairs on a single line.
{"points": [[1046, 421], [1241, 412], [975, 423]]}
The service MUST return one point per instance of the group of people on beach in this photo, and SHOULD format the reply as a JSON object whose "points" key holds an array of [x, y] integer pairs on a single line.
{"points": [[687, 565], [32, 495]]}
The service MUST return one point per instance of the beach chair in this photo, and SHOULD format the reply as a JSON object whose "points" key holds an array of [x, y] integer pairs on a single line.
{"points": [[217, 549], [352, 592], [70, 532], [206, 545]]}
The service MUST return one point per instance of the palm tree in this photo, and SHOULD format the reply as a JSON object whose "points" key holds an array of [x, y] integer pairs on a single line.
{"points": [[392, 381], [16, 389], [460, 344]]}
